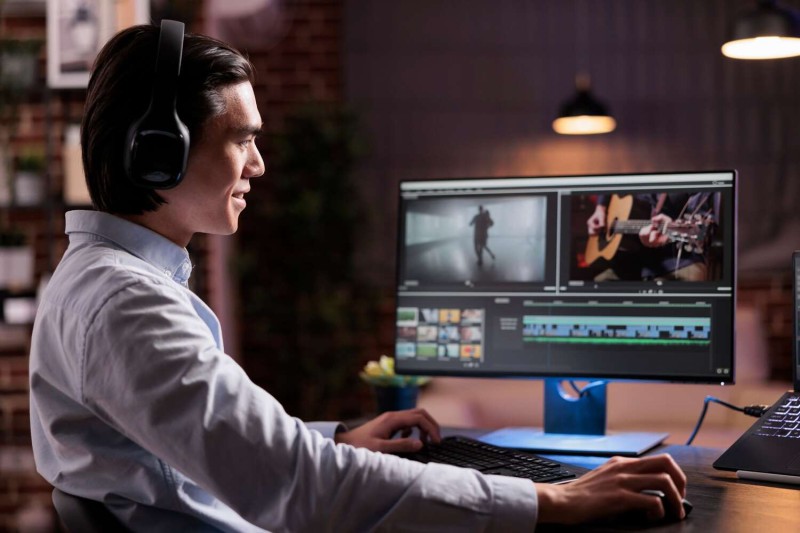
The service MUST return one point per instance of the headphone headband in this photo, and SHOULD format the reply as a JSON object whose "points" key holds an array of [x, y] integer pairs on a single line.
{"points": [[168, 63]]}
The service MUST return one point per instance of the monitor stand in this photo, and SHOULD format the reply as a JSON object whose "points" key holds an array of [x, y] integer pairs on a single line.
{"points": [[574, 425]]}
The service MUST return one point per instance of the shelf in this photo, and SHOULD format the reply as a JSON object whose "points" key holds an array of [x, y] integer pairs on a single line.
{"points": [[14, 338], [24, 8]]}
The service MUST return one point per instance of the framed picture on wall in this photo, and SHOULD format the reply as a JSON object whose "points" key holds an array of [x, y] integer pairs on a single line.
{"points": [[78, 29]]}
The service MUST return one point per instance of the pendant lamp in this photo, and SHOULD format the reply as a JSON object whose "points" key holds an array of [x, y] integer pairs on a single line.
{"points": [[767, 31], [583, 114]]}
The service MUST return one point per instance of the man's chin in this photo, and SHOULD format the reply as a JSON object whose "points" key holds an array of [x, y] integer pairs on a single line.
{"points": [[228, 229]]}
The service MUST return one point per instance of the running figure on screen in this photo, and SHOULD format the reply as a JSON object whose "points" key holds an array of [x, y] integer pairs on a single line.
{"points": [[482, 222]]}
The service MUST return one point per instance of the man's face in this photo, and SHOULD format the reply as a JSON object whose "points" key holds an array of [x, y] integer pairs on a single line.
{"points": [[221, 163]]}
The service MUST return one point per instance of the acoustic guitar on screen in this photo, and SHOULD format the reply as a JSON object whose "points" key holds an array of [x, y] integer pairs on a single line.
{"points": [[691, 231]]}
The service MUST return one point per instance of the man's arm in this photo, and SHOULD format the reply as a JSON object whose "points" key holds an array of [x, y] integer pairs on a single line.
{"points": [[165, 385], [170, 390], [613, 489]]}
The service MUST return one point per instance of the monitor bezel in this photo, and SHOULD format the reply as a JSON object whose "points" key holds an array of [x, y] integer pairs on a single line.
{"points": [[580, 376]]}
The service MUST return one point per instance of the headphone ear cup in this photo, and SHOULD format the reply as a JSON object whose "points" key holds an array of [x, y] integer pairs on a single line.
{"points": [[157, 151], [157, 144]]}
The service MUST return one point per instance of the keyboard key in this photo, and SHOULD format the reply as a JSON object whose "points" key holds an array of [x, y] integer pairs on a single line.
{"points": [[784, 422], [488, 459]]}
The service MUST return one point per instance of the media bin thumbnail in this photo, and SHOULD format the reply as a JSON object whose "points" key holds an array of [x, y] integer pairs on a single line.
{"points": [[443, 334]]}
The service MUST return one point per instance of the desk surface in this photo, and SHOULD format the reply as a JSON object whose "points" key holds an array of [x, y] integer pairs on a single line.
{"points": [[722, 502]]}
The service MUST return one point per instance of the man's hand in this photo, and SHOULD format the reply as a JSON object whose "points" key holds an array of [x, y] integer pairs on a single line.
{"points": [[653, 235], [597, 221], [376, 435], [615, 489]]}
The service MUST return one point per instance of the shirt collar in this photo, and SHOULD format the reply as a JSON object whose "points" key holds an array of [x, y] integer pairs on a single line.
{"points": [[146, 244]]}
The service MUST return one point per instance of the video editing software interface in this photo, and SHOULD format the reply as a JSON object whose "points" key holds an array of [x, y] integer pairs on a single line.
{"points": [[614, 276]]}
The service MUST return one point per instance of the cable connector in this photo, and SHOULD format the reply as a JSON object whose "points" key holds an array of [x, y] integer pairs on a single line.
{"points": [[752, 410], [755, 410]]}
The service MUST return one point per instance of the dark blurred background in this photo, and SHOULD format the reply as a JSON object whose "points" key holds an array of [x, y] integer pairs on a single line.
{"points": [[358, 95]]}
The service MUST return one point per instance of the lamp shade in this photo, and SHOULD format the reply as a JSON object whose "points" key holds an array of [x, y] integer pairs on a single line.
{"points": [[767, 31], [583, 114]]}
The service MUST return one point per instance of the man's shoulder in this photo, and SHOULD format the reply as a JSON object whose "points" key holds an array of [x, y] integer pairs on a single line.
{"points": [[90, 275]]}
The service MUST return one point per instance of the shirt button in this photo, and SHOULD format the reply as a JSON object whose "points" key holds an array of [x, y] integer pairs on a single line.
{"points": [[168, 273]]}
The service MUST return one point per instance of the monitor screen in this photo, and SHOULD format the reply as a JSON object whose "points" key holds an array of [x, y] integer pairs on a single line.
{"points": [[626, 276]]}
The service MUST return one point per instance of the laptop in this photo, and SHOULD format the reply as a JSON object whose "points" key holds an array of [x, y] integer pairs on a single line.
{"points": [[770, 449]]}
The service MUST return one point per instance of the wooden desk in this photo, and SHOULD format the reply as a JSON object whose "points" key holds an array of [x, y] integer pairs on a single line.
{"points": [[722, 502]]}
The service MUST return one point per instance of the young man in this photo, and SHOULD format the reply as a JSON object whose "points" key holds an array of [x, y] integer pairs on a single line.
{"points": [[135, 404]]}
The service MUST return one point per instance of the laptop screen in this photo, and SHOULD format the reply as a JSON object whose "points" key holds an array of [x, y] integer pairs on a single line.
{"points": [[796, 320]]}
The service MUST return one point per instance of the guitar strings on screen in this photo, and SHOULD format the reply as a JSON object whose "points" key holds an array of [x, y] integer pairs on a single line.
{"points": [[658, 236]]}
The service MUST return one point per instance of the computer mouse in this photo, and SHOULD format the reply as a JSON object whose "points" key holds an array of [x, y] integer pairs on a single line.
{"points": [[687, 505]]}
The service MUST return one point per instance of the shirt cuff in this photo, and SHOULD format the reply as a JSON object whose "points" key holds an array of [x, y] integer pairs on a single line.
{"points": [[516, 505], [327, 429]]}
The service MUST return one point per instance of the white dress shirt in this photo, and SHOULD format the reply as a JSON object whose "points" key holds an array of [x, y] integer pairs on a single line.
{"points": [[134, 403]]}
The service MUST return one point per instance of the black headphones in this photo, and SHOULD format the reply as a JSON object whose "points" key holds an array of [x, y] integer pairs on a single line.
{"points": [[157, 146]]}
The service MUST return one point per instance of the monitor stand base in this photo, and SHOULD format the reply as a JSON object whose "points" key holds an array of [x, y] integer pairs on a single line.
{"points": [[536, 440]]}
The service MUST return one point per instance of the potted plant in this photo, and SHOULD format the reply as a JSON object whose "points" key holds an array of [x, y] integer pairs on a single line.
{"points": [[16, 260], [29, 179], [392, 391], [19, 62], [19, 69]]}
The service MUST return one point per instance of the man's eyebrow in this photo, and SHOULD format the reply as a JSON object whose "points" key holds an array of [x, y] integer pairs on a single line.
{"points": [[249, 130]]}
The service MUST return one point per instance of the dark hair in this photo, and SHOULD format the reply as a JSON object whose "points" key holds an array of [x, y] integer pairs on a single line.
{"points": [[119, 93]]}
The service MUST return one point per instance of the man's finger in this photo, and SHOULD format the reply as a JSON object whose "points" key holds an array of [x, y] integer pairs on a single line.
{"points": [[657, 464], [436, 435], [650, 506], [406, 445], [418, 418]]}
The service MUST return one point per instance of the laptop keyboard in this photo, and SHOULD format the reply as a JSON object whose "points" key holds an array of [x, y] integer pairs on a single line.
{"points": [[783, 422], [489, 459]]}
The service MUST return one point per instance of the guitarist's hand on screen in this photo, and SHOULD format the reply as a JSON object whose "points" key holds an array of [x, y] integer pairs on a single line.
{"points": [[597, 221], [653, 235]]}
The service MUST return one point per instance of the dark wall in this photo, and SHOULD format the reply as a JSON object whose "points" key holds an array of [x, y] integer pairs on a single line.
{"points": [[469, 88]]}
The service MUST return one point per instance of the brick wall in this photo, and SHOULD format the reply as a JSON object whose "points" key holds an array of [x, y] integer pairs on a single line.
{"points": [[22, 491], [771, 295], [39, 124], [307, 65], [304, 66]]}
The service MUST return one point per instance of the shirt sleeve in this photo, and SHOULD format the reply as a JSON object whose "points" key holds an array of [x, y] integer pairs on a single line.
{"points": [[326, 429], [152, 370]]}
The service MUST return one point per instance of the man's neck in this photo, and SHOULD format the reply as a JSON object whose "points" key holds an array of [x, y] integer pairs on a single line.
{"points": [[161, 225]]}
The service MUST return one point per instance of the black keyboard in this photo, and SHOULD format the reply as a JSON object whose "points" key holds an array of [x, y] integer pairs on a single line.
{"points": [[489, 459], [783, 422]]}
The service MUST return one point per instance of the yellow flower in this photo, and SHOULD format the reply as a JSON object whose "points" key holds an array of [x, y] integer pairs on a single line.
{"points": [[381, 373]]}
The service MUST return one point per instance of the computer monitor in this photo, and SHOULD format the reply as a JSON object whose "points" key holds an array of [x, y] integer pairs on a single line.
{"points": [[604, 277]]}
